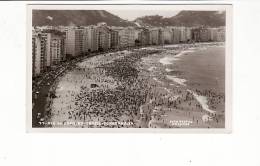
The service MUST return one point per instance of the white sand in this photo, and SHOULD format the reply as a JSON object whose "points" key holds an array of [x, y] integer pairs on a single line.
{"points": [[151, 68], [155, 79], [167, 60], [179, 81], [206, 118], [171, 46], [182, 53], [147, 48], [70, 84], [168, 70]]}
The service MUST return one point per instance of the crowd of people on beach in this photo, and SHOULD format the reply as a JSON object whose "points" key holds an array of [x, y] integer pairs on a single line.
{"points": [[214, 98], [114, 88], [97, 100]]}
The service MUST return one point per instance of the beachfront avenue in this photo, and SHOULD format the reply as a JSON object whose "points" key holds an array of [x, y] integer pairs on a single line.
{"points": [[142, 87]]}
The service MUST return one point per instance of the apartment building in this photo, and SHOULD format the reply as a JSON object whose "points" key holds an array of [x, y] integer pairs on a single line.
{"points": [[114, 39], [104, 37], [127, 37], [74, 41]]}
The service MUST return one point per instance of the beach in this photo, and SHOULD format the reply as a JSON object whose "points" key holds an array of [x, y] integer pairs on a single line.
{"points": [[174, 86]]}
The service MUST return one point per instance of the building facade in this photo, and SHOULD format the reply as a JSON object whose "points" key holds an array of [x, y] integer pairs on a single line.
{"points": [[104, 37], [167, 35], [204, 37], [50, 45], [221, 34], [127, 37], [74, 41], [154, 36], [176, 35], [91, 34], [114, 39], [38, 54], [144, 37], [55, 47]]}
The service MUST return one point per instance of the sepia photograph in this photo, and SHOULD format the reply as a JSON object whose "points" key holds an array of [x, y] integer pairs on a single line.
{"points": [[129, 83], [129, 66]]}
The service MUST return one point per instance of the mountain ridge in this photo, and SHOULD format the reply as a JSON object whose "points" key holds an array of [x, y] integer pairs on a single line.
{"points": [[76, 17], [92, 17], [186, 18]]}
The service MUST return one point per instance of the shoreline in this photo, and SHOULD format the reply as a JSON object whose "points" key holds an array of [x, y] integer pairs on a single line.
{"points": [[53, 88], [207, 117]]}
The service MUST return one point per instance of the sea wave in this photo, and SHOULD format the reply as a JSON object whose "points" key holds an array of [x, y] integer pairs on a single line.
{"points": [[203, 101], [168, 59], [177, 80]]}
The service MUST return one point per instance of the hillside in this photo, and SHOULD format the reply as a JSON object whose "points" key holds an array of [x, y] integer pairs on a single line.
{"points": [[92, 17], [186, 18], [75, 17]]}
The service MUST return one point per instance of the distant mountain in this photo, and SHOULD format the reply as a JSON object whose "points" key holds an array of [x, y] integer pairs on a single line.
{"points": [[76, 17], [92, 17], [186, 18]]}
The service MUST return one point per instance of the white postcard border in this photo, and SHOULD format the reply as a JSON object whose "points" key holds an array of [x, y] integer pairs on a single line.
{"points": [[143, 6]]}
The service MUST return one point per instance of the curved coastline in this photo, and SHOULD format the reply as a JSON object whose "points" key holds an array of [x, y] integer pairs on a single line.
{"points": [[52, 88]]}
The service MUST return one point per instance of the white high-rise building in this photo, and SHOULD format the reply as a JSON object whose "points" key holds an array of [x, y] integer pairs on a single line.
{"points": [[176, 35], [38, 54], [154, 36], [127, 37], [55, 47], [167, 34], [183, 35], [74, 41], [90, 39], [188, 34], [221, 34], [104, 37]]}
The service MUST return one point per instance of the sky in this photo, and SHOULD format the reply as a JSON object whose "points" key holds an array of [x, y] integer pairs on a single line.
{"points": [[131, 15]]}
